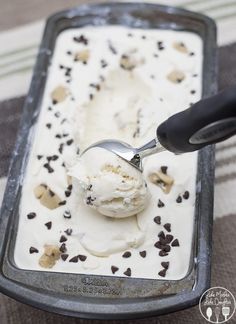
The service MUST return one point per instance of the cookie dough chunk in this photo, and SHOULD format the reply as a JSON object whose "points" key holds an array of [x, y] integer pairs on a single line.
{"points": [[82, 56], [181, 47], [164, 181], [130, 60], [46, 196], [50, 256], [176, 76], [59, 94]]}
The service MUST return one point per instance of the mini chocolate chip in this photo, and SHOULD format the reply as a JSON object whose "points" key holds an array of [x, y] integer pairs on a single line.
{"points": [[49, 108], [48, 125], [160, 203], [48, 167], [103, 63], [191, 54], [179, 200], [155, 55], [61, 66], [167, 226], [166, 248], [51, 193], [63, 165], [112, 48], [175, 243], [143, 254], [186, 194], [68, 52], [63, 248], [64, 256], [164, 169], [165, 264], [161, 235], [68, 72], [158, 245], [68, 231], [169, 238], [160, 45], [91, 96], [144, 37], [61, 148], [31, 215], [54, 157], [33, 250], [65, 135], [96, 86], [82, 257], [48, 225], [58, 136], [163, 253], [157, 220], [163, 241], [89, 200], [128, 272], [70, 187], [57, 114], [49, 158], [62, 203], [63, 239], [69, 142], [54, 101], [75, 259], [67, 193], [64, 119], [193, 91], [67, 214], [195, 75], [81, 39], [39, 157], [114, 269], [127, 254], [162, 273]]}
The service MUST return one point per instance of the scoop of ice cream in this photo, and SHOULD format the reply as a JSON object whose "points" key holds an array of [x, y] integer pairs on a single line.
{"points": [[109, 184]]}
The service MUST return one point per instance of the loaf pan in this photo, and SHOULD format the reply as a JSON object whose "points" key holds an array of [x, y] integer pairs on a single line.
{"points": [[104, 297]]}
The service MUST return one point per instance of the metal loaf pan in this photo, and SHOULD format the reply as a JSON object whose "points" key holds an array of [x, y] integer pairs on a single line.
{"points": [[106, 297]]}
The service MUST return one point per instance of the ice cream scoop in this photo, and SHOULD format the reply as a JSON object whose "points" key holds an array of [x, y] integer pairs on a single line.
{"points": [[207, 122], [109, 184]]}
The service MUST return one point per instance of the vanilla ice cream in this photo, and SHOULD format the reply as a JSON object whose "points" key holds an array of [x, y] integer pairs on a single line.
{"points": [[110, 184], [120, 83]]}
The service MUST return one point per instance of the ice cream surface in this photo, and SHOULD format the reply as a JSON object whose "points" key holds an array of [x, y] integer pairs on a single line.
{"points": [[121, 83], [110, 184]]}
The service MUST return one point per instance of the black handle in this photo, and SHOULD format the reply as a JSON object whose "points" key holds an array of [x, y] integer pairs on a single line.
{"points": [[208, 121]]}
